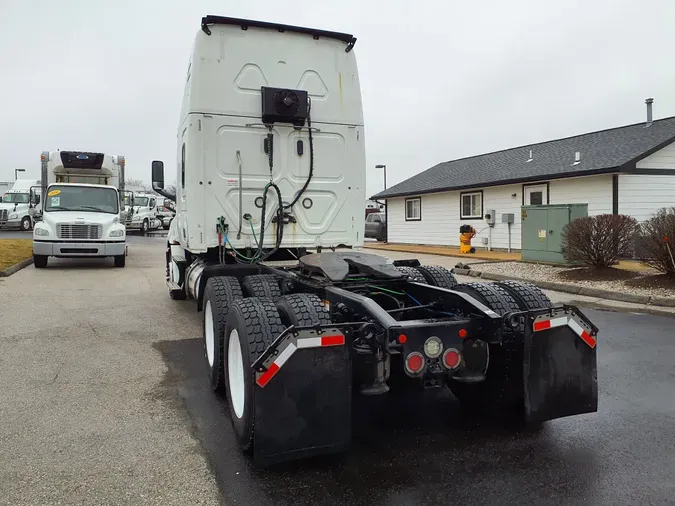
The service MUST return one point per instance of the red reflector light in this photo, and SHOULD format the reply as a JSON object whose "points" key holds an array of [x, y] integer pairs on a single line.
{"points": [[462, 333], [402, 338], [451, 358], [414, 363]]}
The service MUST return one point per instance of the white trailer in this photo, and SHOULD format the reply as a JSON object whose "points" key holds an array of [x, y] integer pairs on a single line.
{"points": [[5, 185], [82, 208], [20, 206]]}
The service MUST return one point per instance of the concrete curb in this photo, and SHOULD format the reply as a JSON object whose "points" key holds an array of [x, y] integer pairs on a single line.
{"points": [[576, 290], [16, 267]]}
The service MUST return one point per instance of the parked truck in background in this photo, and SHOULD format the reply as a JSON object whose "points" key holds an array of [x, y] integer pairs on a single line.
{"points": [[20, 207], [271, 171], [81, 212], [5, 186], [166, 210], [142, 214]]}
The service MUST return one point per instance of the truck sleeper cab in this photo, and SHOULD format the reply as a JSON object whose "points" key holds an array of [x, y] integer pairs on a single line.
{"points": [[80, 221], [142, 212]]}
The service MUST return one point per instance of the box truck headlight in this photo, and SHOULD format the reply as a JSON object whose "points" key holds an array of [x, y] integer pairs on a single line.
{"points": [[116, 233], [41, 231], [13, 216]]}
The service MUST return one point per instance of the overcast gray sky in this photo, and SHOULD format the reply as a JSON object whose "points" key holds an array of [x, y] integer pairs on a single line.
{"points": [[440, 79]]}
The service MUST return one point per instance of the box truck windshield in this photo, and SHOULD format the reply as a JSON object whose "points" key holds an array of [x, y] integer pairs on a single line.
{"points": [[82, 198]]}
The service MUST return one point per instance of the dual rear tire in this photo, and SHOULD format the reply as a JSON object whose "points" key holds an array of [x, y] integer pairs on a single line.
{"points": [[237, 330], [502, 392]]}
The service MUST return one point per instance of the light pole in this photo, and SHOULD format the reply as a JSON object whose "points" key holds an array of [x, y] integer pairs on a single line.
{"points": [[386, 207], [385, 174], [16, 171]]}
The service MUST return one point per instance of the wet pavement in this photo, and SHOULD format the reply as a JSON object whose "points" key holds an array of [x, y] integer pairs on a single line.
{"points": [[105, 400], [410, 449]]}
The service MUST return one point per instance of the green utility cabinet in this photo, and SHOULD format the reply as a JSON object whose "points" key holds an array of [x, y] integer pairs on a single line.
{"points": [[541, 229]]}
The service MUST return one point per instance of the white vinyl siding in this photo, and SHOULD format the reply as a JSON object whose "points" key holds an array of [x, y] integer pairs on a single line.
{"points": [[662, 159], [641, 195], [442, 212], [596, 191]]}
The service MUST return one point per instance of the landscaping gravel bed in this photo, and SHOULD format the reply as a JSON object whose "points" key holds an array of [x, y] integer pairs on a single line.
{"points": [[537, 272]]}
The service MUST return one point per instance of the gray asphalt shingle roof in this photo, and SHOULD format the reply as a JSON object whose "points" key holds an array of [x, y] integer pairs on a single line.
{"points": [[611, 150]]}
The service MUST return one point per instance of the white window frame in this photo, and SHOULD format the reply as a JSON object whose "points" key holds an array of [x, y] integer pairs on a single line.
{"points": [[412, 217], [528, 189], [472, 216]]}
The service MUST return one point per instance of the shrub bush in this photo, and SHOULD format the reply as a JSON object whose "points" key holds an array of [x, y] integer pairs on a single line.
{"points": [[599, 241], [656, 236]]}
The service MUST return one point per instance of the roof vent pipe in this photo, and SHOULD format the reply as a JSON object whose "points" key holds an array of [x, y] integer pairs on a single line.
{"points": [[577, 158], [649, 103]]}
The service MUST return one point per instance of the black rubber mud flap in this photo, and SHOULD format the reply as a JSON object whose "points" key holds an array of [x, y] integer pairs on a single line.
{"points": [[302, 397], [560, 364]]}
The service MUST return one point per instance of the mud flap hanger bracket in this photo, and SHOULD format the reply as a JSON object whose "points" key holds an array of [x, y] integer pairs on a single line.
{"points": [[292, 334]]}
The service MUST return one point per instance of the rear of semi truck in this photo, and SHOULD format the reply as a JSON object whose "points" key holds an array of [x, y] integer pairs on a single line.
{"points": [[271, 167], [241, 76]]}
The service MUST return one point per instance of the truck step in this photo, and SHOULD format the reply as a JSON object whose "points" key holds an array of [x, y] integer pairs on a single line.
{"points": [[173, 286], [178, 259]]}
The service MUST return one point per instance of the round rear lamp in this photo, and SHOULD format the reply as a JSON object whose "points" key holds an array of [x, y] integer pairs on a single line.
{"points": [[414, 363]]}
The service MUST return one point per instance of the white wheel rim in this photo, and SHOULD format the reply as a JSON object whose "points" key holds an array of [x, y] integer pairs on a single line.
{"points": [[209, 337], [235, 374]]}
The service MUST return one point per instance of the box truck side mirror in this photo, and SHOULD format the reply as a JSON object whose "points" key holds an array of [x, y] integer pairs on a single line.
{"points": [[157, 175]]}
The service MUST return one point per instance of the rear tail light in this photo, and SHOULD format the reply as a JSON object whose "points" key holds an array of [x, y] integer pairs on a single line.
{"points": [[414, 363], [451, 358]]}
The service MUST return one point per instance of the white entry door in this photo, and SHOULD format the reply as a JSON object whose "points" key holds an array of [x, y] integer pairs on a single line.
{"points": [[536, 195]]}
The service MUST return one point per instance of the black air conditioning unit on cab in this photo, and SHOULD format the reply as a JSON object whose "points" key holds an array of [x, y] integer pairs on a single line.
{"points": [[281, 105]]}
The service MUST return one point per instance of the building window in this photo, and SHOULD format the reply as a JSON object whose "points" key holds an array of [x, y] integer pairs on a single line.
{"points": [[535, 194], [413, 209], [471, 205]]}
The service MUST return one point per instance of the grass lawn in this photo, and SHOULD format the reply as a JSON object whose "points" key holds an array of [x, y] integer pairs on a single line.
{"points": [[13, 251]]}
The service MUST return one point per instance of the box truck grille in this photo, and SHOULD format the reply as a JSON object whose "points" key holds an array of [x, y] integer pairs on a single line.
{"points": [[69, 231], [3, 214]]}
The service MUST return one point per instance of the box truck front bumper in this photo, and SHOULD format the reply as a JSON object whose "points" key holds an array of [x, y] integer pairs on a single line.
{"points": [[79, 249]]}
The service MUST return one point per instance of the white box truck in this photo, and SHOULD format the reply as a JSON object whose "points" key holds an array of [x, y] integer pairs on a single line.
{"points": [[81, 211], [20, 206], [271, 168]]}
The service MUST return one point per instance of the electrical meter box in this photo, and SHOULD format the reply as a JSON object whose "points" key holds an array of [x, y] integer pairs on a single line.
{"points": [[541, 229], [490, 217]]}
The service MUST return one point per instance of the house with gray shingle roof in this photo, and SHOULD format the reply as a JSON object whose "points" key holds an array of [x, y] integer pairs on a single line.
{"points": [[625, 170]]}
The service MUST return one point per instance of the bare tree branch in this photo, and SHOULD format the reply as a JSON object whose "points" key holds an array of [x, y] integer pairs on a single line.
{"points": [[656, 241], [600, 241]]}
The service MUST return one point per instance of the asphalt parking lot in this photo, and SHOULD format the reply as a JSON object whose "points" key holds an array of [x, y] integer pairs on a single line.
{"points": [[105, 400]]}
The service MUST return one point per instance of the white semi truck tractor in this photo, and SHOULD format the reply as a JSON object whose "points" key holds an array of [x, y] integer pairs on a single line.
{"points": [[269, 219], [20, 206], [142, 215], [82, 207]]}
